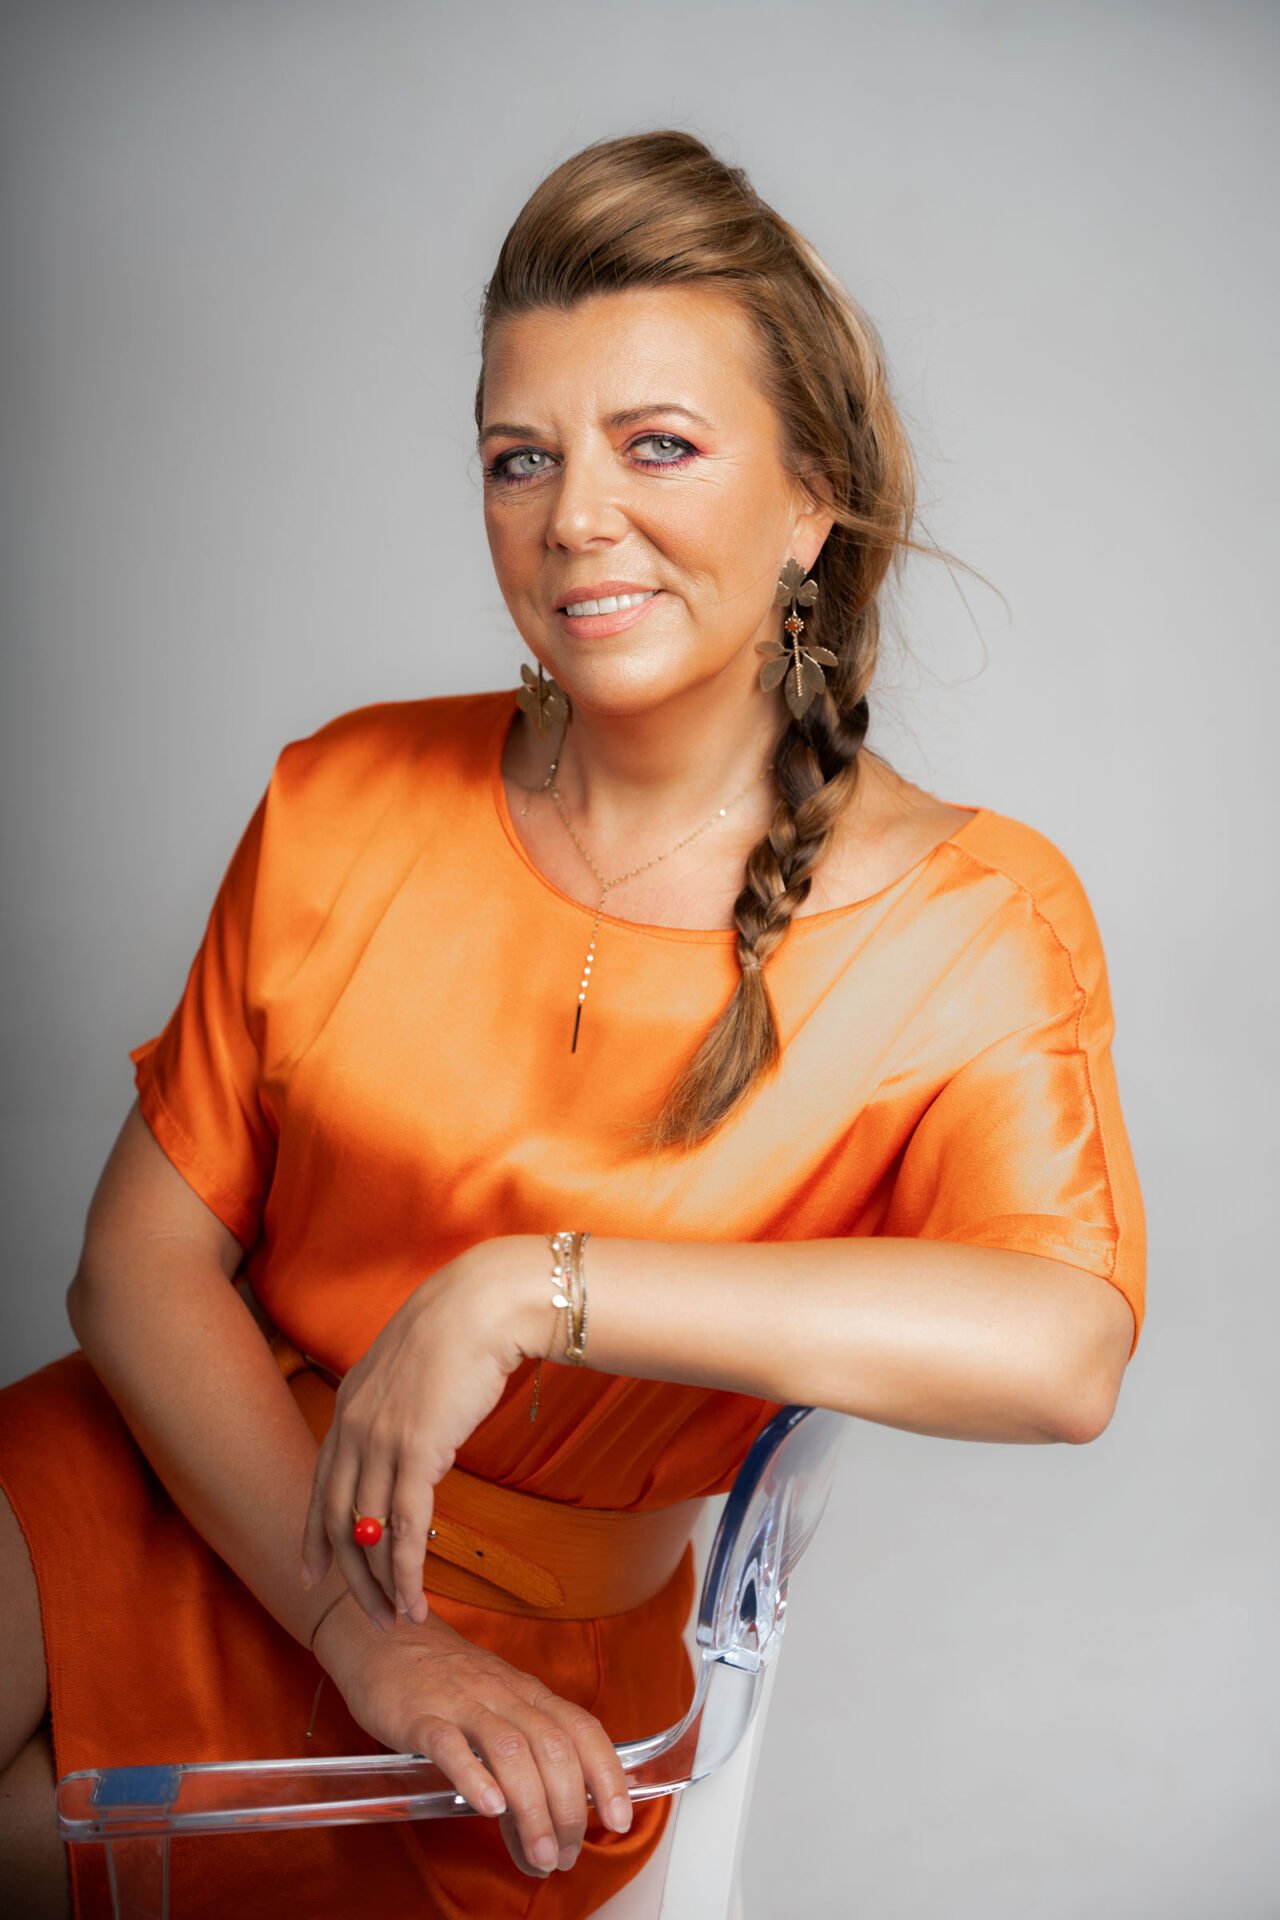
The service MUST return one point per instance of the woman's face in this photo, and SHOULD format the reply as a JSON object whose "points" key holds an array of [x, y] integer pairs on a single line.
{"points": [[629, 450]]}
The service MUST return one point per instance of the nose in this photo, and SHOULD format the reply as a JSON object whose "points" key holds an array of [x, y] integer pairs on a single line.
{"points": [[585, 508]]}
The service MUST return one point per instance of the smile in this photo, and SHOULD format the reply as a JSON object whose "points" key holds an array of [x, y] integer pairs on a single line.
{"points": [[606, 614], [610, 603]]}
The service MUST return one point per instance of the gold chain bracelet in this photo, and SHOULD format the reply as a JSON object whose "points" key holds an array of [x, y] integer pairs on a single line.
{"points": [[575, 1346], [568, 1296]]}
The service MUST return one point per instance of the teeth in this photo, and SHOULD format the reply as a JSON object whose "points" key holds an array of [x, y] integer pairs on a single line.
{"points": [[612, 603]]}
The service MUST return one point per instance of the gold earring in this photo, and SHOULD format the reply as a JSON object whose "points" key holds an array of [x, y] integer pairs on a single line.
{"points": [[801, 666], [541, 698]]}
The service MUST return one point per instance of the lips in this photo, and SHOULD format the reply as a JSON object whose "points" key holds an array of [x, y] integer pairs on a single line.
{"points": [[583, 627]]}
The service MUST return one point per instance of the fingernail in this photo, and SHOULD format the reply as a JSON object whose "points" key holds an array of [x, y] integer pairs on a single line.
{"points": [[306, 1577], [620, 1814], [545, 1853], [567, 1857], [491, 1801]]}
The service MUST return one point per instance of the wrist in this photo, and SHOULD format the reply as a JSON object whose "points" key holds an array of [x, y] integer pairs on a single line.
{"points": [[343, 1632], [324, 1616], [515, 1282]]}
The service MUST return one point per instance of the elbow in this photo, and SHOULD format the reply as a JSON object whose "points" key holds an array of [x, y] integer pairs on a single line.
{"points": [[81, 1291], [1090, 1414], [75, 1300], [1101, 1357], [1080, 1433]]}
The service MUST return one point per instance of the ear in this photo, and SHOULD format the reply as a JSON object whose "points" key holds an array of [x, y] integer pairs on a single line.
{"points": [[813, 520]]}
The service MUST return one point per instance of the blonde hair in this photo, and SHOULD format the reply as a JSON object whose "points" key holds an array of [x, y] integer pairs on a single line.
{"points": [[660, 209]]}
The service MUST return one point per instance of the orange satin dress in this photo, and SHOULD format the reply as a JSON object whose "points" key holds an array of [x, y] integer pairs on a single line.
{"points": [[369, 1070]]}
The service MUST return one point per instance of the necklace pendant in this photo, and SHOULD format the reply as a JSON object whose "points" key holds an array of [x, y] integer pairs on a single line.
{"points": [[550, 785], [586, 978]]}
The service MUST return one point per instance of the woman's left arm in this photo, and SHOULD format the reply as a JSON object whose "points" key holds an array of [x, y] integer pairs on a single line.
{"points": [[961, 1341]]}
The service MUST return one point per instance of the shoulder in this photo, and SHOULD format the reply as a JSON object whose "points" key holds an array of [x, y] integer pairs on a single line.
{"points": [[1035, 884], [369, 783], [347, 812], [359, 755]]}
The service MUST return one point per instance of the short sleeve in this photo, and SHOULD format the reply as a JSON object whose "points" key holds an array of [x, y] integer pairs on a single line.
{"points": [[199, 1080], [1024, 1146]]}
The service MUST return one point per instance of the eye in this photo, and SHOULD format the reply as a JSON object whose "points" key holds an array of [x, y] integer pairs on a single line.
{"points": [[675, 450], [507, 475]]}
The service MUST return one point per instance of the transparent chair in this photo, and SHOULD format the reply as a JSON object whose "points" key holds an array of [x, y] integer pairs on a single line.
{"points": [[767, 1521]]}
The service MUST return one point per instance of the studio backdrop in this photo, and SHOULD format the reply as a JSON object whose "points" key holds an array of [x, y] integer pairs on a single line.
{"points": [[243, 254]]}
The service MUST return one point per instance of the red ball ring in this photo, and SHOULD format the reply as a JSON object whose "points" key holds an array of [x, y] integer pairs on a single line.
{"points": [[367, 1530]]}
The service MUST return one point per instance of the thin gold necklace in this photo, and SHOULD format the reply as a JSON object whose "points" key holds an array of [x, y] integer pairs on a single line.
{"points": [[606, 886]]}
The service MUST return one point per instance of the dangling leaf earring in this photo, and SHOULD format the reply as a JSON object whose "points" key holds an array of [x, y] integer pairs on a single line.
{"points": [[802, 666], [541, 698]]}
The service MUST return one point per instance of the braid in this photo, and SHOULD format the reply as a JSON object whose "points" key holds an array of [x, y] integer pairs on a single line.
{"points": [[816, 778], [816, 764], [817, 769]]}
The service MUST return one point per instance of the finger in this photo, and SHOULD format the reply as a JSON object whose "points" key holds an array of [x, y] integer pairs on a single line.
{"points": [[412, 1505], [338, 1502], [403, 1502], [509, 1759], [598, 1758], [373, 1500], [511, 1834], [447, 1746], [557, 1761]]}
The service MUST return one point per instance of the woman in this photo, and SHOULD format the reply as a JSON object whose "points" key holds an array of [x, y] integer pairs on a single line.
{"points": [[654, 951]]}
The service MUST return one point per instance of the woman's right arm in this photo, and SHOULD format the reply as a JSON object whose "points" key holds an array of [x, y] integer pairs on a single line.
{"points": [[153, 1308]]}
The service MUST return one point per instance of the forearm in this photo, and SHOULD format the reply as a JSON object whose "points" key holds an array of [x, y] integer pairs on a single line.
{"points": [[965, 1342], [196, 1383]]}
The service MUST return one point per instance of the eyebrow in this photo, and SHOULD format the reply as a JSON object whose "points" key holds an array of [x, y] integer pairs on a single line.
{"points": [[520, 430]]}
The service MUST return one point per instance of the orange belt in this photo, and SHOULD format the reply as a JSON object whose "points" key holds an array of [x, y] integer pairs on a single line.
{"points": [[516, 1552]]}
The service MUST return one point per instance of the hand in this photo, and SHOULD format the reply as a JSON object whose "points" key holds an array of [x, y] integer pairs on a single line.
{"points": [[426, 1689], [431, 1376]]}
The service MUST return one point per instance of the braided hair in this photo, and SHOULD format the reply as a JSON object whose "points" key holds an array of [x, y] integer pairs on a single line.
{"points": [[661, 209]]}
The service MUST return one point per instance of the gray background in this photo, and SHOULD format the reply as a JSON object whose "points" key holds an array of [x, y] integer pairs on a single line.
{"points": [[243, 252]]}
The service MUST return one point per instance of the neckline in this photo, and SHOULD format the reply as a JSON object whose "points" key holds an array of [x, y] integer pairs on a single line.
{"points": [[706, 936]]}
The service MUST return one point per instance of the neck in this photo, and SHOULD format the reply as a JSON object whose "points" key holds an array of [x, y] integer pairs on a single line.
{"points": [[633, 778]]}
